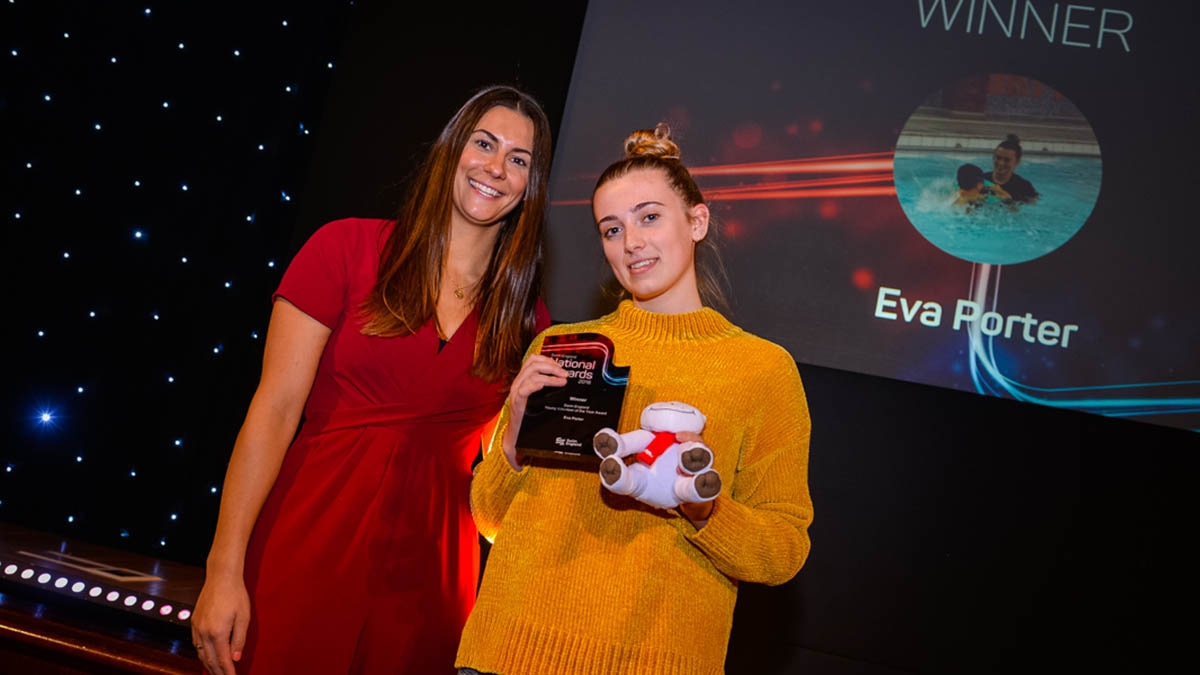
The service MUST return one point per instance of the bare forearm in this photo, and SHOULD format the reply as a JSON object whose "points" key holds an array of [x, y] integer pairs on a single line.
{"points": [[253, 467]]}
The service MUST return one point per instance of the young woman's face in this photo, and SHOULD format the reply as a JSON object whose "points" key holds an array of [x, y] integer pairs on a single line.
{"points": [[494, 167], [649, 239], [1004, 162]]}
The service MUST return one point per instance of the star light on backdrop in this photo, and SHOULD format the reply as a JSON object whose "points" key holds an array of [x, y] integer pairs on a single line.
{"points": [[154, 156]]}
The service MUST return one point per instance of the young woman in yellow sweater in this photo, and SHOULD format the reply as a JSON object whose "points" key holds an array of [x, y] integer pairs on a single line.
{"points": [[582, 580]]}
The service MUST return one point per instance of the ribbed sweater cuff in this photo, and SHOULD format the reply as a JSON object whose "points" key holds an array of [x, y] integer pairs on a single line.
{"points": [[728, 524]]}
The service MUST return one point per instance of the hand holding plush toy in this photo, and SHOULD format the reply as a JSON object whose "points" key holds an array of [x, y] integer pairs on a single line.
{"points": [[667, 472]]}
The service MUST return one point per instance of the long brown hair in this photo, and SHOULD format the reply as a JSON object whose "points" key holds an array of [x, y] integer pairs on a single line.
{"points": [[410, 264], [654, 149]]}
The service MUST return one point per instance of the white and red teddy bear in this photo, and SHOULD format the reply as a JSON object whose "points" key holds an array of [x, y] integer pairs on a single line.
{"points": [[666, 472]]}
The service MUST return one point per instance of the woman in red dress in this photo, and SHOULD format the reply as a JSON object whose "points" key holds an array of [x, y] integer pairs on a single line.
{"points": [[344, 542]]}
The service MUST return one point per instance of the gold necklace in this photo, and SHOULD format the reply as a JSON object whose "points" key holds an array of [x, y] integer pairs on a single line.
{"points": [[460, 292]]}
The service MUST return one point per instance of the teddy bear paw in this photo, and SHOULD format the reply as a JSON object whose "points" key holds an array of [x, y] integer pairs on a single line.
{"points": [[708, 484], [606, 442], [702, 487], [611, 471], [694, 458]]}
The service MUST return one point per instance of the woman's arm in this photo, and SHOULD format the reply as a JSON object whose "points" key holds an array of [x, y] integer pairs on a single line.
{"points": [[293, 350], [757, 529]]}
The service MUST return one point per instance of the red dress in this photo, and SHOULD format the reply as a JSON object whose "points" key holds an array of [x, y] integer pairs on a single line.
{"points": [[365, 558]]}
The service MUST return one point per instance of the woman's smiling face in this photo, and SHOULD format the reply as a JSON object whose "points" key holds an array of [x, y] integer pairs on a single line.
{"points": [[649, 239], [494, 167]]}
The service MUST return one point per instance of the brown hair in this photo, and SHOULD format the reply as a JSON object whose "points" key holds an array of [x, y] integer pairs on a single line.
{"points": [[410, 265], [653, 149]]}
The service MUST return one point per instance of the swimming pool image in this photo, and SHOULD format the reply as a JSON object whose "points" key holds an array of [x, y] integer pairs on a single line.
{"points": [[996, 233]]}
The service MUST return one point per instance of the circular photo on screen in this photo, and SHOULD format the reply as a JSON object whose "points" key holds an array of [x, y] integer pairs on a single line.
{"points": [[997, 168]]}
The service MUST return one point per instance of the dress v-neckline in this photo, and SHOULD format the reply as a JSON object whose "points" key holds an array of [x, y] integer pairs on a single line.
{"points": [[445, 337]]}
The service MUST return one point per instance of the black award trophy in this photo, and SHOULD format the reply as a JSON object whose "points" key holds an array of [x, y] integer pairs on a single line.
{"points": [[560, 422]]}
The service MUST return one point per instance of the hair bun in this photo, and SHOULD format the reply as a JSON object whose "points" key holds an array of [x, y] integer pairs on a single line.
{"points": [[654, 142]]}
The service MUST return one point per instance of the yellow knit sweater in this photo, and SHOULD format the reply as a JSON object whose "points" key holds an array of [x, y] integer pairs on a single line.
{"points": [[583, 581]]}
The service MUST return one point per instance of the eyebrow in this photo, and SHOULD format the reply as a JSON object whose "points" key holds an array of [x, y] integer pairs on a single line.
{"points": [[496, 139], [635, 209]]}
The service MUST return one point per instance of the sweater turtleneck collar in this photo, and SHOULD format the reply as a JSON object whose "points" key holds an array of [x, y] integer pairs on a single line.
{"points": [[705, 323]]}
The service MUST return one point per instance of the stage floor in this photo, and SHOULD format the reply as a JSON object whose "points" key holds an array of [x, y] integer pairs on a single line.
{"points": [[151, 589]]}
